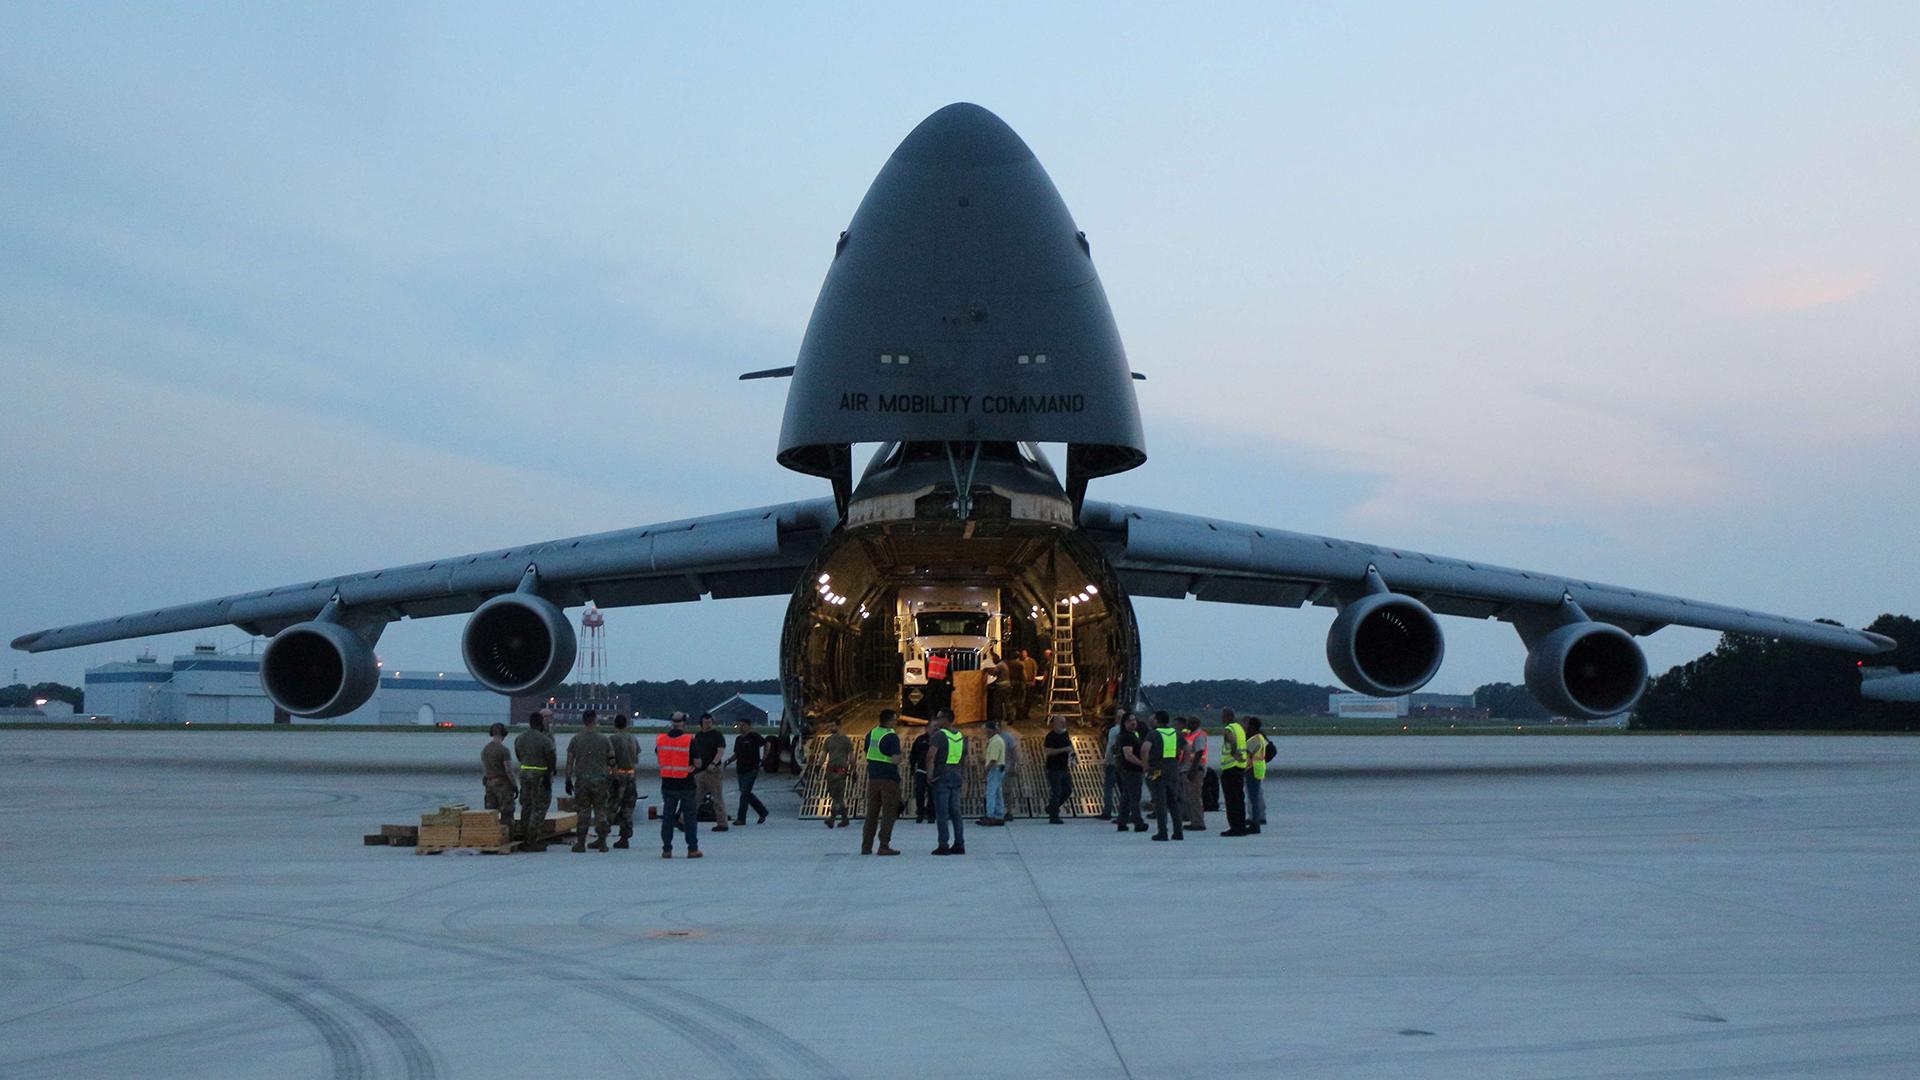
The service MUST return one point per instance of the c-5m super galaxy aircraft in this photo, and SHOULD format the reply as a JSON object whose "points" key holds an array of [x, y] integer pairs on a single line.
{"points": [[961, 325]]}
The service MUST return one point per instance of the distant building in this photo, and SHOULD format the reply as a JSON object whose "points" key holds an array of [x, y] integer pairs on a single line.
{"points": [[39, 712], [208, 687], [762, 710], [567, 710], [1349, 706]]}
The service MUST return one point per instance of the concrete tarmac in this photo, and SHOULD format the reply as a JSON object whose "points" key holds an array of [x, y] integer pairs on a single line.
{"points": [[199, 904]]}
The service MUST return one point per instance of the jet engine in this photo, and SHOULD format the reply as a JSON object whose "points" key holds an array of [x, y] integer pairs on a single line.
{"points": [[1385, 644], [319, 669], [1587, 670], [518, 643]]}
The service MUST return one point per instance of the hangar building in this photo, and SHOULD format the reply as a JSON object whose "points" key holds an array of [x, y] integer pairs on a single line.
{"points": [[208, 687], [761, 710], [1360, 706]]}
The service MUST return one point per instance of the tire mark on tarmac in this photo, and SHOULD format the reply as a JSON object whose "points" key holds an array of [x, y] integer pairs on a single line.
{"points": [[200, 1034], [346, 1052], [658, 1005], [416, 1059], [1798, 1032]]}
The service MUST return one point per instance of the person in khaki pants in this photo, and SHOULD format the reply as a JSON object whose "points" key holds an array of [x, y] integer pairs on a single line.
{"points": [[839, 751], [709, 772], [1194, 776], [883, 786]]}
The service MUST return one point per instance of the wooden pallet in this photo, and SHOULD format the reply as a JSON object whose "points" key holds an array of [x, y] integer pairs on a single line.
{"points": [[497, 849]]}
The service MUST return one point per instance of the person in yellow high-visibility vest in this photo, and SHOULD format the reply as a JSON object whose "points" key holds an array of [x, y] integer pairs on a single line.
{"points": [[1257, 778], [1166, 751], [883, 785], [946, 749], [1233, 774]]}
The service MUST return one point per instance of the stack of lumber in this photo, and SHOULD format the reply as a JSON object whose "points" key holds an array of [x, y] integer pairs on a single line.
{"points": [[394, 835], [441, 829], [456, 826], [482, 828]]}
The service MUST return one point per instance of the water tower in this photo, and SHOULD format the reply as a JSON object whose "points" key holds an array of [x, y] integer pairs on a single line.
{"points": [[590, 674]]}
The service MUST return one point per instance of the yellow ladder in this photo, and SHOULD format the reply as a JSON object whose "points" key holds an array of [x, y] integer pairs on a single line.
{"points": [[1063, 683]]}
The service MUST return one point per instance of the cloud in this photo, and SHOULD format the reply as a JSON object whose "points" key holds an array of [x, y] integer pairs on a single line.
{"points": [[1802, 291]]}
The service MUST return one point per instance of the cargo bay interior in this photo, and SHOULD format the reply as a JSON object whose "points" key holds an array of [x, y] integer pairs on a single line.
{"points": [[937, 580]]}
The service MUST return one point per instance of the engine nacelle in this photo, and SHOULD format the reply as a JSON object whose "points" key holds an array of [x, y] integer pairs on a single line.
{"points": [[319, 670], [1385, 644], [1587, 670], [518, 643]]}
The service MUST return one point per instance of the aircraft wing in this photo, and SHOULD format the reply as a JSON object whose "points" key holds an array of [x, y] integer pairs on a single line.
{"points": [[1177, 555], [758, 552]]}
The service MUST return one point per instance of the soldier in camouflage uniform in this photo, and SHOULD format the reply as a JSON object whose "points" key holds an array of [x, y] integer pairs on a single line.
{"points": [[626, 793], [496, 775], [535, 752], [589, 758]]}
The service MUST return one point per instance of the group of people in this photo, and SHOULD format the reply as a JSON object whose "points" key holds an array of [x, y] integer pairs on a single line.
{"points": [[1169, 760], [1161, 768], [600, 774]]}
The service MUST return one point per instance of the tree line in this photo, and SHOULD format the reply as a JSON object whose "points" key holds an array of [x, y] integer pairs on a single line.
{"points": [[1754, 683], [22, 696]]}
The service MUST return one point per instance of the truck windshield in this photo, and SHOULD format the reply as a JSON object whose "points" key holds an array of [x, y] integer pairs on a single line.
{"points": [[953, 624]]}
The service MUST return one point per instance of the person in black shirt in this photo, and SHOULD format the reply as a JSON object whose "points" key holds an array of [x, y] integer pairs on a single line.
{"points": [[749, 746], [709, 770], [1058, 749], [1131, 772], [1166, 752]]}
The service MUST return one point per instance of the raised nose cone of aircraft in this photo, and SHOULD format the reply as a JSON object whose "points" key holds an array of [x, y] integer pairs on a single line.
{"points": [[962, 305], [963, 135]]}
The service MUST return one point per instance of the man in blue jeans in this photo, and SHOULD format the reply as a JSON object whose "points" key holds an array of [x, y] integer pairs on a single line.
{"points": [[1110, 791], [996, 776], [679, 805], [944, 752]]}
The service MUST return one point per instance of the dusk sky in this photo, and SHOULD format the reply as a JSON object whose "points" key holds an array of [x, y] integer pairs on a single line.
{"points": [[1628, 293]]}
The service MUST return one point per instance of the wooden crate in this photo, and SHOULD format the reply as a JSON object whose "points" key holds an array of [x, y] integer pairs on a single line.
{"points": [[439, 836], [490, 834], [561, 824]]}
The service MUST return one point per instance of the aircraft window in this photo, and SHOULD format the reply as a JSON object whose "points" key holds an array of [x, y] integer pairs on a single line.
{"points": [[1024, 359], [1039, 358], [886, 358], [953, 624]]}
